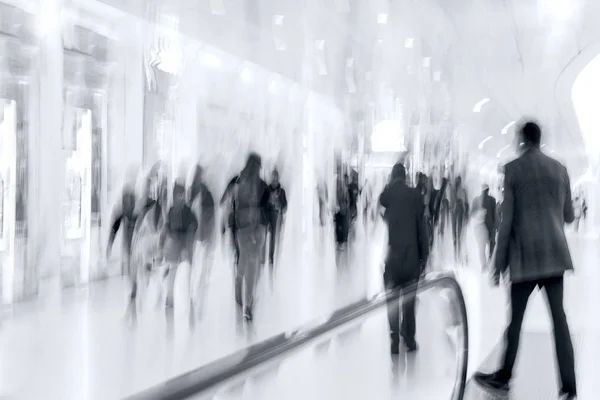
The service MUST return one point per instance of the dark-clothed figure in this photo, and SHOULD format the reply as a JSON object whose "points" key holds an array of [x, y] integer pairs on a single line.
{"points": [[485, 205], [148, 227], [533, 247], [250, 204], [276, 210], [230, 223], [408, 250], [459, 209], [124, 217], [342, 218], [177, 238], [202, 203]]}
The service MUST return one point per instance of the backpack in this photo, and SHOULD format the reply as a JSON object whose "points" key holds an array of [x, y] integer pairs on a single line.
{"points": [[247, 195]]}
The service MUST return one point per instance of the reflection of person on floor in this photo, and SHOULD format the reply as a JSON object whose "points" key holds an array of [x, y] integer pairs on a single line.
{"points": [[277, 208], [202, 203], [124, 217], [408, 250], [484, 211], [533, 247], [250, 201], [177, 238]]}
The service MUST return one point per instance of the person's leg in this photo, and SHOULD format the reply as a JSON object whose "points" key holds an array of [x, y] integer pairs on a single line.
{"points": [[240, 267], [408, 328], [255, 247], [272, 229], [554, 289], [519, 296], [393, 313]]}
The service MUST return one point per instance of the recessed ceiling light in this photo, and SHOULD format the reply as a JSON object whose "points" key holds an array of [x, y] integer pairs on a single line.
{"points": [[507, 127], [426, 62], [480, 104], [278, 19], [484, 141], [382, 19], [320, 44], [437, 76], [409, 43], [502, 151], [246, 75]]}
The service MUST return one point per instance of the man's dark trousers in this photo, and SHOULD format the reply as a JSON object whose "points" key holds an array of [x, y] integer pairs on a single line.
{"points": [[398, 279], [519, 295]]}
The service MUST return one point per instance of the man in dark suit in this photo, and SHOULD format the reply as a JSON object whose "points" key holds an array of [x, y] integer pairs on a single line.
{"points": [[533, 247], [408, 249], [486, 205]]}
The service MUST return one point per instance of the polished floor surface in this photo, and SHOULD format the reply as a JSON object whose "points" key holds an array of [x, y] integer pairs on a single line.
{"points": [[80, 344]]}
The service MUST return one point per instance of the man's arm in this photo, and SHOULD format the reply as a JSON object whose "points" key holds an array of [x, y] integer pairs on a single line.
{"points": [[284, 203], [115, 224], [505, 228], [568, 212], [423, 236], [384, 198], [227, 191]]}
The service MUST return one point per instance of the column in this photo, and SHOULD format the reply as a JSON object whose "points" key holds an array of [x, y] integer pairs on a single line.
{"points": [[47, 219]]}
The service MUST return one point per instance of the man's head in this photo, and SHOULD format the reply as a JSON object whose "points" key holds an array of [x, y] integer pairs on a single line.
{"points": [[275, 177], [530, 135], [485, 189], [178, 194], [399, 172]]}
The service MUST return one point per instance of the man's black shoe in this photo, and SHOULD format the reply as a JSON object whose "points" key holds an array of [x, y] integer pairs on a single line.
{"points": [[395, 348], [567, 395], [412, 347], [492, 381]]}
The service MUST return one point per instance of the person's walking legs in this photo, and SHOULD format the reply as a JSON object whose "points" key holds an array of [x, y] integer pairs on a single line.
{"points": [[554, 289]]}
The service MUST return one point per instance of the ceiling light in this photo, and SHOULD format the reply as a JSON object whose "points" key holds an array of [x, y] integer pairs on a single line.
{"points": [[502, 151], [211, 60], [320, 44], [278, 19], [409, 43], [426, 62], [484, 141], [507, 127], [382, 19], [437, 76], [246, 75], [480, 104]]}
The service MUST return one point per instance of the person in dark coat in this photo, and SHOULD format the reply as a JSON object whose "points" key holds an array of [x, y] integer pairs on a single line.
{"points": [[485, 205], [408, 250], [532, 246]]}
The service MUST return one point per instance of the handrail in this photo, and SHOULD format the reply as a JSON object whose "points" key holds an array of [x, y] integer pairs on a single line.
{"points": [[205, 378]]}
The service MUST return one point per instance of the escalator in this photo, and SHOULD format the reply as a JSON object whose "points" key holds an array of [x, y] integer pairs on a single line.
{"points": [[345, 356]]}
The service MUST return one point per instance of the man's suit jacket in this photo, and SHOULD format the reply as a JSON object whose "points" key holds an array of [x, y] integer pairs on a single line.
{"points": [[537, 203], [408, 240]]}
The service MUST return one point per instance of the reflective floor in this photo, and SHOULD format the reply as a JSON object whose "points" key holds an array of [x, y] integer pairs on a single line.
{"points": [[80, 345]]}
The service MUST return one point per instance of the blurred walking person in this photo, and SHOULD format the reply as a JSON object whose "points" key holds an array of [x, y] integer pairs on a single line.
{"points": [[202, 203], [250, 196], [177, 238], [484, 207], [408, 250], [276, 210], [124, 218], [532, 245]]}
